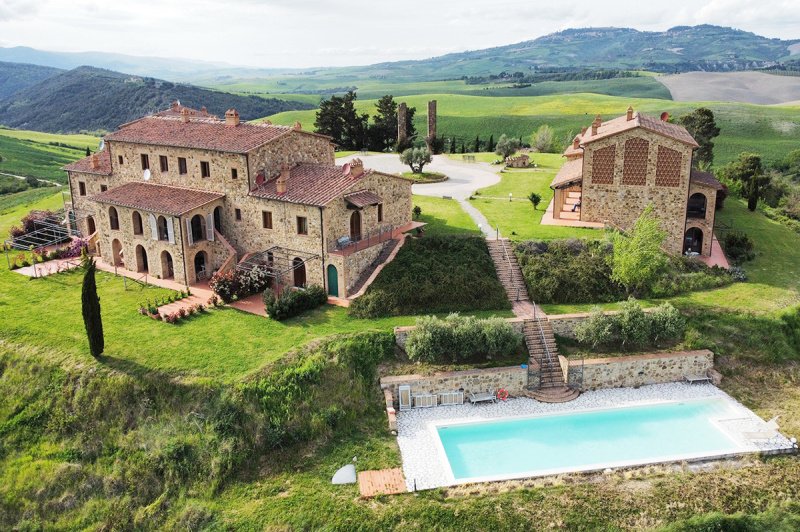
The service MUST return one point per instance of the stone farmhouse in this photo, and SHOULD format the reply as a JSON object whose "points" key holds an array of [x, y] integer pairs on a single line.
{"points": [[615, 169], [180, 194]]}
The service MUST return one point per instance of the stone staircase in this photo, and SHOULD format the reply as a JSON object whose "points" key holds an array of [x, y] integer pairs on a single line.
{"points": [[543, 352], [508, 271], [380, 259], [573, 199]]}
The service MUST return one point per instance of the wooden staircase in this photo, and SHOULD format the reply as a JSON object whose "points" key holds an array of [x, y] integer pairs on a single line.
{"points": [[572, 200], [543, 352], [508, 271]]}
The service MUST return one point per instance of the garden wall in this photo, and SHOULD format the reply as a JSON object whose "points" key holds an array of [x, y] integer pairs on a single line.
{"points": [[639, 370], [401, 333], [564, 324], [512, 378]]}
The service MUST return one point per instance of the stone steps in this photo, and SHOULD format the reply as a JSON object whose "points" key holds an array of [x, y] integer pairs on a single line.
{"points": [[508, 271], [569, 215], [559, 394], [380, 259]]}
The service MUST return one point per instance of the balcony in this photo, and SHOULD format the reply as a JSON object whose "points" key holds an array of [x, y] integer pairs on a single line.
{"points": [[347, 245]]}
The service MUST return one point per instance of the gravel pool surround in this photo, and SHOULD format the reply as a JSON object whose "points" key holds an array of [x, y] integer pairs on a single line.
{"points": [[425, 467]]}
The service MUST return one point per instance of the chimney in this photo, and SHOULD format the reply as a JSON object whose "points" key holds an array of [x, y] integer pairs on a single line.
{"points": [[576, 142], [204, 110], [629, 114], [596, 124], [231, 117], [583, 130], [175, 105], [297, 126], [665, 116], [185, 115], [95, 161], [283, 178], [356, 168]]}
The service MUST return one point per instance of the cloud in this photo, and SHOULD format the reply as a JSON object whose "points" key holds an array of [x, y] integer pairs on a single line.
{"points": [[18, 9]]}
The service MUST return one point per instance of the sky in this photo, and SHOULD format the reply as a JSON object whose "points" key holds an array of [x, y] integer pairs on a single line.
{"points": [[306, 33]]}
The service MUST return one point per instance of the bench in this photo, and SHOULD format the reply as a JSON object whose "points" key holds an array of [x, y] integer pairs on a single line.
{"points": [[698, 379], [479, 397], [343, 242]]}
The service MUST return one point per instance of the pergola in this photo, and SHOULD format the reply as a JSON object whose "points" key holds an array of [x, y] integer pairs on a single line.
{"points": [[51, 230], [277, 261]]}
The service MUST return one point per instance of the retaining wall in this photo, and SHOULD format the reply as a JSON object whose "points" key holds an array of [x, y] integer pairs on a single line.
{"points": [[639, 370]]}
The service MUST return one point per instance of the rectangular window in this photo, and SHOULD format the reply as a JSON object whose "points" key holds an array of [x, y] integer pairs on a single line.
{"points": [[145, 161], [121, 161], [266, 219], [380, 212], [234, 173], [182, 165], [81, 188], [238, 215], [205, 169], [162, 160], [103, 188], [302, 225]]}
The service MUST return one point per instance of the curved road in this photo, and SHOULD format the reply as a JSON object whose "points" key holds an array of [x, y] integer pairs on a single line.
{"points": [[464, 179]]}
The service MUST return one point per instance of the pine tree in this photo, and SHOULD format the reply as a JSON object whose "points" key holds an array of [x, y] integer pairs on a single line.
{"points": [[90, 306]]}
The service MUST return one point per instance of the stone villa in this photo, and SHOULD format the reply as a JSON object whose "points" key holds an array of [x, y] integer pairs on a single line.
{"points": [[615, 169], [180, 194]]}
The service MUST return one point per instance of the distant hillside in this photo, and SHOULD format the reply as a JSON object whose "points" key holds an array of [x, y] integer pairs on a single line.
{"points": [[15, 77], [746, 87], [92, 99]]}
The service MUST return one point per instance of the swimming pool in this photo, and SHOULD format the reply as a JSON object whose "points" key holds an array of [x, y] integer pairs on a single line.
{"points": [[586, 440]]}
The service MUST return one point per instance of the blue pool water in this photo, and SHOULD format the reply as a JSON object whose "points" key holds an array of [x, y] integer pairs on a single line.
{"points": [[586, 440]]}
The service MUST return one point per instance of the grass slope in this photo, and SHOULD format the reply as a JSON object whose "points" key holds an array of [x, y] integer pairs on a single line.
{"points": [[444, 217], [14, 206], [38, 159], [744, 127]]}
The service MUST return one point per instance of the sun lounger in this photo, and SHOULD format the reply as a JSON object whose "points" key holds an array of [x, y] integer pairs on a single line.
{"points": [[478, 397], [697, 379]]}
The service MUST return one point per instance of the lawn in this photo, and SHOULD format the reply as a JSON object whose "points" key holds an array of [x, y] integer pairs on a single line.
{"points": [[14, 206], [517, 219], [444, 216], [425, 177]]}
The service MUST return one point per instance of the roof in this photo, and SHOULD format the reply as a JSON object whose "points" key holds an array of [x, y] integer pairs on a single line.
{"points": [[163, 199], [570, 172], [705, 178], [650, 123], [85, 165], [313, 184], [204, 134], [176, 108], [362, 198]]}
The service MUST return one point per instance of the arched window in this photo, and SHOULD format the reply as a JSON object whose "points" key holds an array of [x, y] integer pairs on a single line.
{"points": [[137, 223], [141, 260], [163, 232], [696, 207], [90, 226], [113, 218], [198, 228], [299, 272], [355, 226], [693, 241]]}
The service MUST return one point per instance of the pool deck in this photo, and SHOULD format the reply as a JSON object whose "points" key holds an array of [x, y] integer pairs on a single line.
{"points": [[425, 467]]}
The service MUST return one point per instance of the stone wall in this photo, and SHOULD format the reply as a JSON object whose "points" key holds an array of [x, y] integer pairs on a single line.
{"points": [[512, 378], [401, 333], [564, 324], [639, 370], [621, 204]]}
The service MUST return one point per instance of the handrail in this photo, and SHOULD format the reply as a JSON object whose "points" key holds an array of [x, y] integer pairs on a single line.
{"points": [[231, 252], [541, 335], [511, 268], [375, 236]]}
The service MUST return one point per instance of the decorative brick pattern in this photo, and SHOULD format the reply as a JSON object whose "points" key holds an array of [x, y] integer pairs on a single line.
{"points": [[603, 165], [634, 168], [668, 167]]}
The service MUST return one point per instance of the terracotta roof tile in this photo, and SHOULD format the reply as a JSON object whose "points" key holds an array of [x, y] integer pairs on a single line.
{"points": [[176, 108], [656, 125], [85, 165], [163, 199], [705, 178], [204, 134], [362, 198], [570, 172], [312, 184]]}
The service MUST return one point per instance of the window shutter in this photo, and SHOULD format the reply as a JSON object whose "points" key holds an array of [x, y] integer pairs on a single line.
{"points": [[189, 231], [170, 231], [153, 226], [210, 227]]}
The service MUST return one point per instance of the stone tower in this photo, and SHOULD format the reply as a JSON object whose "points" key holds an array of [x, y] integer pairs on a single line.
{"points": [[402, 122], [431, 122]]}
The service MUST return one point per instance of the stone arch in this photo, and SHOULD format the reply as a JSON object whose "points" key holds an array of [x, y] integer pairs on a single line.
{"points": [[697, 205], [136, 219], [198, 227], [113, 218], [116, 252], [693, 240], [201, 265], [167, 267], [161, 226], [142, 265], [91, 227]]}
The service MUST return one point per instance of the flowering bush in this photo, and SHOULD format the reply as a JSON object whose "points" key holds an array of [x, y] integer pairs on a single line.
{"points": [[237, 284], [226, 285]]}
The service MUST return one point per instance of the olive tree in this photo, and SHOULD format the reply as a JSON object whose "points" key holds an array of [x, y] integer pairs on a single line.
{"points": [[637, 259], [416, 158], [506, 147]]}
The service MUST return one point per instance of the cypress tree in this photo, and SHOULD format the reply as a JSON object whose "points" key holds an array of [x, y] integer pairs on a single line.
{"points": [[90, 306], [88, 151], [477, 146], [490, 146]]}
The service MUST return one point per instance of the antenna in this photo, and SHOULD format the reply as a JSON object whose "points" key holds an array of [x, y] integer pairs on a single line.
{"points": [[146, 175]]}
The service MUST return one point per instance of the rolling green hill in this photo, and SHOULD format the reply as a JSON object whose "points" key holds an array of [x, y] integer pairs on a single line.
{"points": [[15, 77], [91, 99], [765, 129], [30, 153]]}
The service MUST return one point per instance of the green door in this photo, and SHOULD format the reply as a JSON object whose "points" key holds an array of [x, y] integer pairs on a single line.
{"points": [[333, 281]]}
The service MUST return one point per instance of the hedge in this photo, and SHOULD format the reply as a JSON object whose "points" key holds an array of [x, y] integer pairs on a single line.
{"points": [[293, 302]]}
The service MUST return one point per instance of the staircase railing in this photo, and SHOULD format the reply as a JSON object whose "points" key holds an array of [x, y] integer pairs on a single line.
{"points": [[543, 338]]}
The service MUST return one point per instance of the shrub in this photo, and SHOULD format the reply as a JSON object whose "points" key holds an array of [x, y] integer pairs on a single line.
{"points": [[457, 338], [226, 285], [738, 246], [291, 303], [637, 259], [632, 327]]}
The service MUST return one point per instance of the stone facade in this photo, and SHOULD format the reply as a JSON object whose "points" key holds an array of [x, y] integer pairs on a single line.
{"points": [[431, 121], [239, 215], [402, 122], [704, 223], [639, 370], [519, 161], [514, 379], [616, 192]]}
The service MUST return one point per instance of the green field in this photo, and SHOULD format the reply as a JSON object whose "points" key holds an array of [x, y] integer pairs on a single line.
{"points": [[31, 153], [765, 129], [444, 216]]}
